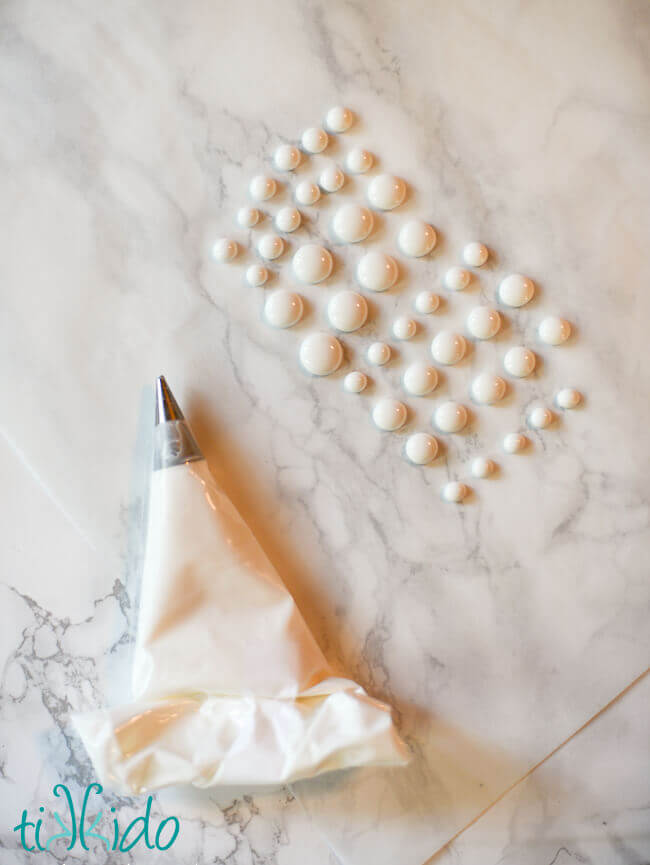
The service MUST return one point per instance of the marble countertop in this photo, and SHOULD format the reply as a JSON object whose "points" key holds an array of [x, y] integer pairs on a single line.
{"points": [[496, 629]]}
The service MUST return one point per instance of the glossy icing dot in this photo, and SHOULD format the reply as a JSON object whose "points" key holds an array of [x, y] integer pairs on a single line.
{"points": [[404, 328], [475, 254], [355, 381], [270, 246], [457, 278], [287, 219], [377, 271], [419, 379], [283, 308], [426, 302], [352, 223], [386, 191], [483, 322], [482, 467], [358, 161], [554, 330], [568, 398], [488, 389], [379, 353], [347, 311], [519, 361], [307, 193], [454, 492], [339, 119], [513, 443], [389, 414], [314, 140], [247, 217], [331, 178], [450, 417], [286, 157], [256, 274], [421, 448], [262, 187], [448, 347], [540, 417], [321, 353], [312, 263], [224, 249], [416, 238], [516, 290]]}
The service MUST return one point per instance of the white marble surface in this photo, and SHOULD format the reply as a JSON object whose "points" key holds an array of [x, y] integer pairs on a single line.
{"points": [[495, 629]]}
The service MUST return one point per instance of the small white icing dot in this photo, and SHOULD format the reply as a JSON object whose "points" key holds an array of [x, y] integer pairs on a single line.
{"points": [[475, 254], [287, 219], [352, 223], [270, 246], [347, 311], [488, 389], [568, 397], [286, 157], [482, 467], [312, 263], [331, 178], [454, 492], [386, 191], [389, 414], [516, 290], [247, 217], [262, 187], [540, 417], [426, 302], [419, 379], [224, 249], [379, 353], [377, 271], [355, 381], [358, 161], [457, 278], [404, 328], [314, 140], [554, 330], [483, 322], [307, 193], [448, 347], [519, 361], [421, 448], [283, 308], [256, 274], [416, 238], [321, 353], [339, 119], [513, 443], [450, 417]]}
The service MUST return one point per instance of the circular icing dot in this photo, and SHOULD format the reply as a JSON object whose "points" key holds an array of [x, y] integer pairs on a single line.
{"points": [[519, 361], [358, 161], [339, 119], [270, 246], [568, 398], [483, 322], [450, 417], [482, 467], [540, 417], [379, 353], [420, 379], [421, 448], [312, 263], [287, 219], [262, 187], [389, 414], [448, 347], [283, 308], [516, 290], [377, 271], [286, 157], [331, 178], [454, 492], [554, 330], [307, 193], [314, 139], [488, 389], [347, 311], [404, 328], [247, 217], [352, 223], [224, 249], [475, 254], [256, 274], [321, 353], [416, 238], [457, 278], [427, 302], [355, 381], [386, 191], [513, 443]]}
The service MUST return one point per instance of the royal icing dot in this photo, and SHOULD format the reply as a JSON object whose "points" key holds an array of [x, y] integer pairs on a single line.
{"points": [[256, 274], [248, 217], [287, 219], [475, 254], [286, 157], [457, 278], [355, 381], [450, 417], [421, 448], [312, 263], [339, 119], [455, 492], [554, 330], [331, 178], [514, 443], [389, 414], [404, 328], [482, 467], [307, 193], [386, 191], [347, 311], [483, 322], [270, 246], [419, 379], [448, 347], [378, 353], [377, 271], [352, 223], [426, 302], [488, 389], [283, 308], [262, 187], [540, 417], [321, 354], [224, 250], [568, 398], [519, 361], [314, 140], [516, 290], [416, 238], [358, 161]]}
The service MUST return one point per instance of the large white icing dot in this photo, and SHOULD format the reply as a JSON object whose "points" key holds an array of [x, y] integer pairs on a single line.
{"points": [[224, 249], [256, 274], [379, 353], [457, 278], [287, 219], [554, 330], [519, 361], [454, 491], [488, 389], [482, 467], [270, 246], [513, 443], [427, 302], [475, 254], [516, 290], [450, 417], [321, 353], [352, 223], [262, 187], [421, 448], [389, 414], [568, 397], [358, 161], [483, 322], [416, 238], [247, 217], [347, 310], [448, 347], [331, 178], [419, 379], [312, 263], [307, 193], [339, 119], [540, 417], [283, 308], [355, 381], [404, 328], [377, 271], [314, 139], [386, 191], [286, 157]]}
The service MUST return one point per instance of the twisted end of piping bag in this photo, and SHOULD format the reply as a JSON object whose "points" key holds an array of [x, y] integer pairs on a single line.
{"points": [[174, 443]]}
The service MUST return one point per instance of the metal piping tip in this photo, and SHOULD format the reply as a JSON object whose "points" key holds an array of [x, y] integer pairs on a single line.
{"points": [[174, 443], [166, 406]]}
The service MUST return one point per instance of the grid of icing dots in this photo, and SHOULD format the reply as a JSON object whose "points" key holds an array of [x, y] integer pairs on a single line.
{"points": [[321, 352]]}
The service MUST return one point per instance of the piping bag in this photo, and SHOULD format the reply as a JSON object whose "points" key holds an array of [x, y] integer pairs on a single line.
{"points": [[229, 686]]}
